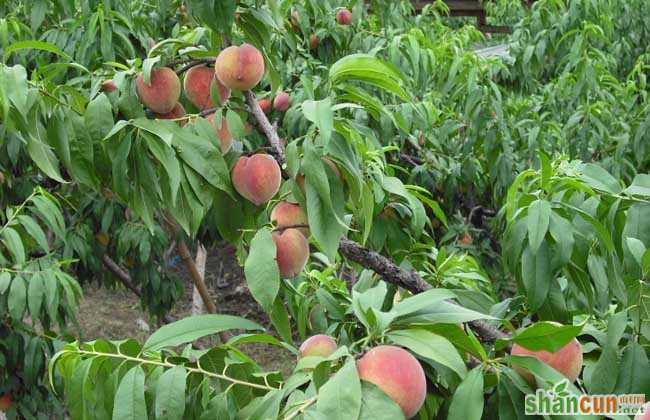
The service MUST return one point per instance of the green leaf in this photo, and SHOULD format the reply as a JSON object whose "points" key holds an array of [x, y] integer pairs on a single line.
{"points": [[195, 327], [170, 394], [421, 301], [324, 211], [637, 249], [340, 397], [376, 405], [321, 114], [599, 179], [547, 336], [640, 186], [129, 402], [539, 216], [634, 373], [5, 281], [261, 269], [368, 69], [99, 117], [430, 346], [536, 273], [17, 299], [35, 231], [14, 244], [467, 402], [35, 295], [418, 214], [35, 45], [44, 158], [216, 15]]}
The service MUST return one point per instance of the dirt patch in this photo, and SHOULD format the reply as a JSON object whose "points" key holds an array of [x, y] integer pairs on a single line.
{"points": [[116, 313]]}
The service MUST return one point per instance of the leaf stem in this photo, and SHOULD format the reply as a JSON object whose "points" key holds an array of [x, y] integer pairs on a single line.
{"points": [[171, 365]]}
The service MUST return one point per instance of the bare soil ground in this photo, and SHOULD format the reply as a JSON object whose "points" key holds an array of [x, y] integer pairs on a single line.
{"points": [[116, 314]]}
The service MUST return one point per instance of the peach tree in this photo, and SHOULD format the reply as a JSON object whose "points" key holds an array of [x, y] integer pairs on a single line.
{"points": [[430, 233]]}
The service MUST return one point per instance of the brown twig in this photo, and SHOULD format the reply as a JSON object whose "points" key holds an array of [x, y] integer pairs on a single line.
{"points": [[192, 63], [125, 279], [283, 228], [381, 265], [266, 126]]}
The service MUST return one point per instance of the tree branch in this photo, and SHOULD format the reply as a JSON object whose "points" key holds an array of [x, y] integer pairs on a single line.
{"points": [[381, 265], [265, 125], [125, 279]]}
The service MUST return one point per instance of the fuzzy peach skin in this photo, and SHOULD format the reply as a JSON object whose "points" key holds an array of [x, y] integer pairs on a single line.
{"points": [[396, 372], [318, 345], [177, 112], [286, 214], [292, 252], [257, 178], [225, 137], [567, 360], [240, 68], [197, 84], [282, 101], [163, 91], [344, 17]]}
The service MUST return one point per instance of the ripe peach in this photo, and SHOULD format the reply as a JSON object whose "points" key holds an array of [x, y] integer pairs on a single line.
{"points": [[225, 138], [292, 252], [197, 84], [567, 360], [162, 94], [396, 372], [109, 86], [344, 17], [281, 102], [257, 178], [313, 42], [177, 112], [265, 104], [318, 345], [287, 214], [240, 68], [5, 402]]}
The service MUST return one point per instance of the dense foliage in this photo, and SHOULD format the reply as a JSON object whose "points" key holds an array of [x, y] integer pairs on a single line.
{"points": [[454, 204]]}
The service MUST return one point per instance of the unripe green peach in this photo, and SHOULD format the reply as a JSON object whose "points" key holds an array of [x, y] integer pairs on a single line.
{"points": [[567, 360], [344, 17], [282, 101], [292, 252], [163, 91], [240, 68], [225, 137], [318, 345], [257, 178], [396, 372], [287, 214], [197, 85]]}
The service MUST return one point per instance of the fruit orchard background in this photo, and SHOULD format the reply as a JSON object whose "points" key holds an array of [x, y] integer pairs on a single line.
{"points": [[450, 208]]}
